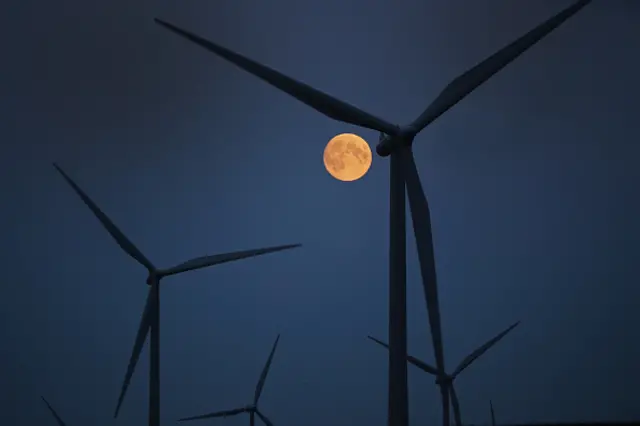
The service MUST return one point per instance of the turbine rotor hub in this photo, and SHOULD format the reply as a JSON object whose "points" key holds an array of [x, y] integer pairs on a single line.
{"points": [[390, 143], [152, 279], [444, 380]]}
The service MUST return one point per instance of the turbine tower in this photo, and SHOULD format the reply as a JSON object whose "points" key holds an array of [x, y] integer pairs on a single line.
{"points": [[251, 409], [150, 321], [396, 142], [54, 413], [448, 380], [493, 415]]}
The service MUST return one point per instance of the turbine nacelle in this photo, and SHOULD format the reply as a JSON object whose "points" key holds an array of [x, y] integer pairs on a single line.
{"points": [[444, 379], [388, 143], [152, 278]]}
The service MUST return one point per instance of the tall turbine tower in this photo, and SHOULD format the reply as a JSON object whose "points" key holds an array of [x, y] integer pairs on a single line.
{"points": [[493, 414], [396, 142], [150, 321]]}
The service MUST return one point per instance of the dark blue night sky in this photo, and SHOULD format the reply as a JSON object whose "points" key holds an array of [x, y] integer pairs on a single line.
{"points": [[532, 182]]}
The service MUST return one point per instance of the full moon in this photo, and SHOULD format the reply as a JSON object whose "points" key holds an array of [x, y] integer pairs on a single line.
{"points": [[347, 157]]}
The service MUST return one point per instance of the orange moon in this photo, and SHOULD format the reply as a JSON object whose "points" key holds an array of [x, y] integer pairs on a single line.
{"points": [[347, 157]]}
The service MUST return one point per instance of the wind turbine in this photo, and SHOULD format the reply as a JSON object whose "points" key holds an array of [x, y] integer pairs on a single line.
{"points": [[54, 413], [150, 321], [493, 415], [251, 409], [448, 379], [396, 141]]}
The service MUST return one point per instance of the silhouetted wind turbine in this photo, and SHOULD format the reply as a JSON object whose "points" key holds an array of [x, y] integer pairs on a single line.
{"points": [[54, 413], [447, 380], [150, 321], [493, 415], [251, 409], [396, 141]]}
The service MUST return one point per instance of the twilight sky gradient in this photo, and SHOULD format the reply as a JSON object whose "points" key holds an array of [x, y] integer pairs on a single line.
{"points": [[532, 181]]}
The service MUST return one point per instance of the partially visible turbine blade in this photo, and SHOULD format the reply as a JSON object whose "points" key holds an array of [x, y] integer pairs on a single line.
{"points": [[321, 102], [421, 218], [111, 228], [455, 404], [378, 341], [225, 413], [412, 360], [466, 83], [469, 359], [264, 418], [493, 416], [265, 372], [55, 415], [141, 336], [217, 259]]}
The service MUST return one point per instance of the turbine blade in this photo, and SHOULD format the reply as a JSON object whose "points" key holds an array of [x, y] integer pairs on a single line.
{"points": [[469, 359], [455, 404], [264, 418], [320, 101], [55, 415], [421, 219], [466, 83], [265, 372], [493, 415], [225, 413], [217, 259], [412, 360], [124, 243], [141, 336]]}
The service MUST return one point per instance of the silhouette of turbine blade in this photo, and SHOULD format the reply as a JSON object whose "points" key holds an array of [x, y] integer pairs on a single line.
{"points": [[455, 404], [469, 359], [320, 101], [421, 219], [225, 413], [141, 336], [53, 412], [412, 360], [265, 372], [466, 83], [264, 418], [124, 243], [217, 259]]}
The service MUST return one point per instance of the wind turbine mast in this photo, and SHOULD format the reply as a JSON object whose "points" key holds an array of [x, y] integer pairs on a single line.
{"points": [[493, 415]]}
